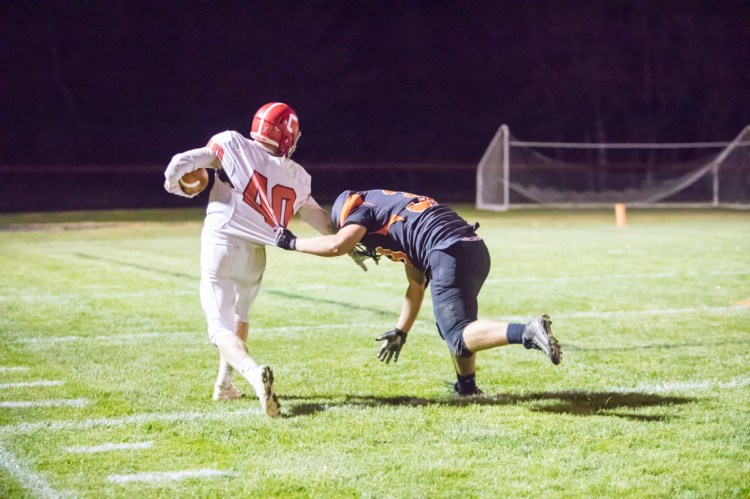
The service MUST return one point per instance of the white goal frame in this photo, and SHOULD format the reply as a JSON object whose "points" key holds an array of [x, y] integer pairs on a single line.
{"points": [[495, 167]]}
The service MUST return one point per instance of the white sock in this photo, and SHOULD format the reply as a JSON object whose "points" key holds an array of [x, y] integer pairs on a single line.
{"points": [[247, 366], [225, 372]]}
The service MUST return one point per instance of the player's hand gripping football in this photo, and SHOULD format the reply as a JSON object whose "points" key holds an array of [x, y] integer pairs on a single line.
{"points": [[172, 186], [285, 239], [393, 341]]}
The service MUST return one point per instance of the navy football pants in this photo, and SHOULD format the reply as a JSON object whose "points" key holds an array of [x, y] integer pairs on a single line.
{"points": [[457, 273]]}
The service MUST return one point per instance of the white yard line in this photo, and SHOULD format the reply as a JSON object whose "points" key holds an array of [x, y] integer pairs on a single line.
{"points": [[604, 277], [604, 314], [16, 294], [128, 420], [33, 482], [67, 298], [13, 368], [168, 476], [23, 404], [113, 338], [656, 311], [182, 335], [108, 447], [87, 424], [675, 386], [28, 384]]}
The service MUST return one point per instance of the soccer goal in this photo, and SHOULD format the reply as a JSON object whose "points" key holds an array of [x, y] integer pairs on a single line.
{"points": [[514, 173]]}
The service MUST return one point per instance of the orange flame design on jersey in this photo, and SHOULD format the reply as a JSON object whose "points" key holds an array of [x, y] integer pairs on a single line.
{"points": [[393, 220], [351, 202], [396, 256]]}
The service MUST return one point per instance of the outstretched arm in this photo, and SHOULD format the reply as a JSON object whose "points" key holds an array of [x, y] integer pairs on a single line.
{"points": [[316, 217], [337, 244]]}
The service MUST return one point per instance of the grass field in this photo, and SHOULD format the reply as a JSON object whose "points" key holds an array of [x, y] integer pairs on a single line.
{"points": [[106, 371]]}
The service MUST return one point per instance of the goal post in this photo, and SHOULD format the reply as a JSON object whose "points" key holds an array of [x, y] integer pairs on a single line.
{"points": [[514, 174], [493, 179]]}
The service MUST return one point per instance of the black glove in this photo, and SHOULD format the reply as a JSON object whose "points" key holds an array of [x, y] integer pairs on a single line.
{"points": [[362, 253], [359, 259], [394, 340], [285, 239]]}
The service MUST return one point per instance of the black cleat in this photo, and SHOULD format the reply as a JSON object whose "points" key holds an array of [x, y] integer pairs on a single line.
{"points": [[476, 392], [538, 334]]}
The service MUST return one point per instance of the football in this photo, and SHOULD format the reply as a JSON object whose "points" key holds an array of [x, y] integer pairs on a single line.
{"points": [[194, 182]]}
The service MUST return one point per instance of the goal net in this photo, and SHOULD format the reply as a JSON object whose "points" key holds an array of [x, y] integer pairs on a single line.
{"points": [[514, 173]]}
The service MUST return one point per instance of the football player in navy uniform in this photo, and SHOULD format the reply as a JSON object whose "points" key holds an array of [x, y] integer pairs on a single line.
{"points": [[439, 249]]}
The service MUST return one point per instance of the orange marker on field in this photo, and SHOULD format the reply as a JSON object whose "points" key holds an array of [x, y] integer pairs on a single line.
{"points": [[620, 214]]}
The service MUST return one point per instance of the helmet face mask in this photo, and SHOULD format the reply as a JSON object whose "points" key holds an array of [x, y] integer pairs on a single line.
{"points": [[276, 124]]}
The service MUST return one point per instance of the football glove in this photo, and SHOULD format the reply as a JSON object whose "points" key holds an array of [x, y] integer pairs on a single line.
{"points": [[363, 253], [393, 341], [285, 239], [359, 259]]}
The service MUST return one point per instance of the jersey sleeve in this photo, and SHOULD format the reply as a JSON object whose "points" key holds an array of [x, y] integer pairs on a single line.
{"points": [[183, 163], [361, 215], [216, 147], [302, 185]]}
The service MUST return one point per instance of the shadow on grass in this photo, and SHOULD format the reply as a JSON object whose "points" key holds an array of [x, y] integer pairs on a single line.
{"points": [[276, 292], [578, 403], [655, 346]]}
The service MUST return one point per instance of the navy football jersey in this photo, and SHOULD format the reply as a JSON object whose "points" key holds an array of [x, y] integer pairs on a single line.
{"points": [[402, 226]]}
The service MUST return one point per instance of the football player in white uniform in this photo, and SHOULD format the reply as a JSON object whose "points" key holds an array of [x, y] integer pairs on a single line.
{"points": [[257, 189]]}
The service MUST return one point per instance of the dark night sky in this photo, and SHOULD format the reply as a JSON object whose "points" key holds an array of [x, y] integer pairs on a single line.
{"points": [[125, 82]]}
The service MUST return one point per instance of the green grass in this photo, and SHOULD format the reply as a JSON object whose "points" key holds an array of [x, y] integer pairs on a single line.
{"points": [[652, 398]]}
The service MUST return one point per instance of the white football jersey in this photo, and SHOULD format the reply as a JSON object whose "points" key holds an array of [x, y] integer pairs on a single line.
{"points": [[265, 191]]}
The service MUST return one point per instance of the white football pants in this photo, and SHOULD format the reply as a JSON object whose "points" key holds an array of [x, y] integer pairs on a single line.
{"points": [[231, 275]]}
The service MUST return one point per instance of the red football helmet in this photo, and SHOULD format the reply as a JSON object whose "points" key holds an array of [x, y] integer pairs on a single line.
{"points": [[277, 124]]}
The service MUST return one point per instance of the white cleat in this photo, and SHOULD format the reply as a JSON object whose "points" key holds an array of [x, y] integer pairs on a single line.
{"points": [[538, 334], [226, 391], [262, 380]]}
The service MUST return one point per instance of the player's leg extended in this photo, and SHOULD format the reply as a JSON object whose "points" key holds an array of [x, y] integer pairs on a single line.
{"points": [[224, 388], [457, 277], [218, 298], [471, 264], [249, 277], [482, 334]]}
